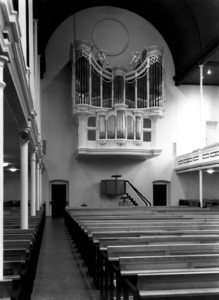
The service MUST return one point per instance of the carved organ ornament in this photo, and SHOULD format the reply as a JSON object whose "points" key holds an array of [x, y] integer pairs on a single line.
{"points": [[119, 98]]}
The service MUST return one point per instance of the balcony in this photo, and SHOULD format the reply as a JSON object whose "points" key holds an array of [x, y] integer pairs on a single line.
{"points": [[204, 158]]}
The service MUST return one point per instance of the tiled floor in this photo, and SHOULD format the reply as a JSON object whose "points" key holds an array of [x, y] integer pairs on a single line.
{"points": [[60, 271]]}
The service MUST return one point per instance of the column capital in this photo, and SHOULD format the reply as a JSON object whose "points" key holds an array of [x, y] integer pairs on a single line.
{"points": [[34, 113], [33, 155], [23, 135], [2, 85], [35, 21], [28, 72], [3, 59]]}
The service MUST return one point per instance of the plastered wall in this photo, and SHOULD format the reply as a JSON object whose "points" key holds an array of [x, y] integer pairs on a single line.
{"points": [[180, 124]]}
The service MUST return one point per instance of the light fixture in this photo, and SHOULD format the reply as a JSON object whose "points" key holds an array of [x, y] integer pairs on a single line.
{"points": [[209, 72], [210, 171], [5, 164], [13, 169]]}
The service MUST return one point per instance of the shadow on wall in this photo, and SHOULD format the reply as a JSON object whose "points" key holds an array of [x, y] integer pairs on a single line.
{"points": [[87, 174], [189, 183]]}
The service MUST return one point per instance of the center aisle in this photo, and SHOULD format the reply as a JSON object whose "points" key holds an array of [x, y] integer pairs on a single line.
{"points": [[60, 271]]}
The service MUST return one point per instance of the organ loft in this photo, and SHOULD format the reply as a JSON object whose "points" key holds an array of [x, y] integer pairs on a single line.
{"points": [[117, 108]]}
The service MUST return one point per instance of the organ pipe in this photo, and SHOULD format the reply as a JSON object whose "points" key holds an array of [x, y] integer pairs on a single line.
{"points": [[139, 88]]}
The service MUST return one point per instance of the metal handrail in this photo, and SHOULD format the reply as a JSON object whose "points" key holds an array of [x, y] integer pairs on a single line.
{"points": [[145, 200]]}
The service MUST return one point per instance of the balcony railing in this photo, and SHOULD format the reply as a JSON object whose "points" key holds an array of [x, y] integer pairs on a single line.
{"points": [[200, 158]]}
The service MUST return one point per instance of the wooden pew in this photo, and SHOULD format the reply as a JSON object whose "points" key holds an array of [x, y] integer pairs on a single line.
{"points": [[154, 240], [115, 252], [133, 267], [89, 225], [19, 236], [174, 285], [13, 244], [109, 261], [10, 287], [21, 249], [16, 254], [153, 227]]}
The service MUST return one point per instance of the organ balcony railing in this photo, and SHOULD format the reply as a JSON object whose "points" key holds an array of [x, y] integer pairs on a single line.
{"points": [[117, 106]]}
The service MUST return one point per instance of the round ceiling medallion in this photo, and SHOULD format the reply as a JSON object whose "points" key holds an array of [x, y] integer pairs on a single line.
{"points": [[110, 35]]}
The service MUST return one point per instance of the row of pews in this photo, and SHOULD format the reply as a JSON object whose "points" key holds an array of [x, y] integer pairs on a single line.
{"points": [[20, 253], [149, 253]]}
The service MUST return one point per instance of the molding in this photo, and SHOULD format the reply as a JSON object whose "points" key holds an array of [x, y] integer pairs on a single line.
{"points": [[110, 53], [11, 16], [119, 152]]}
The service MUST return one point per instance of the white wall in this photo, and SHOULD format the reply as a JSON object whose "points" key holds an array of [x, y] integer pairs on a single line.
{"points": [[179, 125], [12, 186]]}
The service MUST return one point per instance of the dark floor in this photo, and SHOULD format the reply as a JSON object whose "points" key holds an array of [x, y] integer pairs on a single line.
{"points": [[61, 274]]}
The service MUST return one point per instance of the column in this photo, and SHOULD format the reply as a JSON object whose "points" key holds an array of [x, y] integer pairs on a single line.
{"points": [[155, 133], [81, 130], [40, 185], [23, 26], [201, 108], [136, 91], [31, 48], [33, 184], [101, 90], [38, 98], [37, 185], [124, 89], [90, 80], [35, 62], [148, 83], [3, 61], [200, 188], [23, 137]]}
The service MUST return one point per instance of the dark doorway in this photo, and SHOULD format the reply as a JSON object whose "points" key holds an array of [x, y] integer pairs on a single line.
{"points": [[59, 200], [160, 194]]}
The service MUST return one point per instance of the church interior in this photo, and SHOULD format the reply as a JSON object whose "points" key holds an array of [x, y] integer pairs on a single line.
{"points": [[109, 145]]}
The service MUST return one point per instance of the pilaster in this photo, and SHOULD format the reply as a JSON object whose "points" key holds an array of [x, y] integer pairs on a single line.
{"points": [[23, 26], [3, 61], [31, 48], [37, 185]]}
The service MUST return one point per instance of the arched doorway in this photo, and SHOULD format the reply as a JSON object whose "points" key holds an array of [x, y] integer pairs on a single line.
{"points": [[59, 197], [161, 193]]}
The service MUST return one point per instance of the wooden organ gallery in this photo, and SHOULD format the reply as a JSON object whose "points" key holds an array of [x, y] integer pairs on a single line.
{"points": [[117, 110]]}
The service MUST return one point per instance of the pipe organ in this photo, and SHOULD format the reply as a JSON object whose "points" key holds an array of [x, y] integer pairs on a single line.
{"points": [[117, 109]]}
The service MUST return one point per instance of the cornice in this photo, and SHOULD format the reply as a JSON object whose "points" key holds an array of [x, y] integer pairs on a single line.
{"points": [[11, 16]]}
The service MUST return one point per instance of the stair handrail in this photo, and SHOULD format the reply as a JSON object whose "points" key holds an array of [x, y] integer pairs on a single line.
{"points": [[145, 200]]}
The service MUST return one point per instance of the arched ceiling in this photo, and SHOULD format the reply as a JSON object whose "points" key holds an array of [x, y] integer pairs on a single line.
{"points": [[190, 28]]}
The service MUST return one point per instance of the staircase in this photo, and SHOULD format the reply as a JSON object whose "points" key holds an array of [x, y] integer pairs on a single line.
{"points": [[133, 197]]}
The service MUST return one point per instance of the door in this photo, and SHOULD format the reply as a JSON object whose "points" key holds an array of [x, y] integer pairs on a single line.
{"points": [[211, 133], [160, 194], [58, 199]]}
